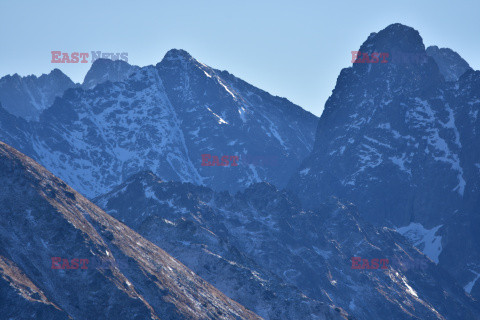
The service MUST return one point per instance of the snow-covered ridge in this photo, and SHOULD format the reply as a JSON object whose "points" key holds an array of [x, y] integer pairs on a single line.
{"points": [[162, 118]]}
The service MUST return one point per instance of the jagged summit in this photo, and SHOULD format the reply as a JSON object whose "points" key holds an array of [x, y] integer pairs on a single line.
{"points": [[176, 59], [57, 73], [102, 63], [28, 96], [54, 73], [107, 70], [177, 54], [401, 56]]}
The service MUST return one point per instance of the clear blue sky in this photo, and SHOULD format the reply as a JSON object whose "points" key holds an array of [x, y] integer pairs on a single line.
{"points": [[294, 49]]}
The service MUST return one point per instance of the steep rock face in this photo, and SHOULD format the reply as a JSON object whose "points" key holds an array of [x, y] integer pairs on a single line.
{"points": [[164, 119], [223, 115], [461, 232], [103, 70], [95, 138], [27, 97], [41, 217], [451, 65], [262, 242], [389, 139], [400, 142]]}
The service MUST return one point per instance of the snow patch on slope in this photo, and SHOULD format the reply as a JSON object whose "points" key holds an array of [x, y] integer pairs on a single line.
{"points": [[422, 237], [469, 286], [220, 120]]}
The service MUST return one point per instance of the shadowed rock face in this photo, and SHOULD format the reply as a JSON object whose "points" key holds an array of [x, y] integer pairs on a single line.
{"points": [[284, 262], [400, 142], [383, 138], [393, 138], [41, 217]]}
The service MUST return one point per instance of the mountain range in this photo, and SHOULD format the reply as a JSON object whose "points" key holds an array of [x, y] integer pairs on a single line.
{"points": [[164, 118], [267, 204]]}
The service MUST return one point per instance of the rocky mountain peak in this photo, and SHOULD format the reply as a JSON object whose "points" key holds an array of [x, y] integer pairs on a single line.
{"points": [[450, 63], [177, 54], [398, 141], [179, 59], [27, 97], [395, 37], [107, 70], [56, 73]]}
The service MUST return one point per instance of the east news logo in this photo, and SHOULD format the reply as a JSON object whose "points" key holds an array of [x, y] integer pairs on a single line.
{"points": [[94, 263], [359, 263], [66, 264], [209, 160], [65, 57], [359, 57]]}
